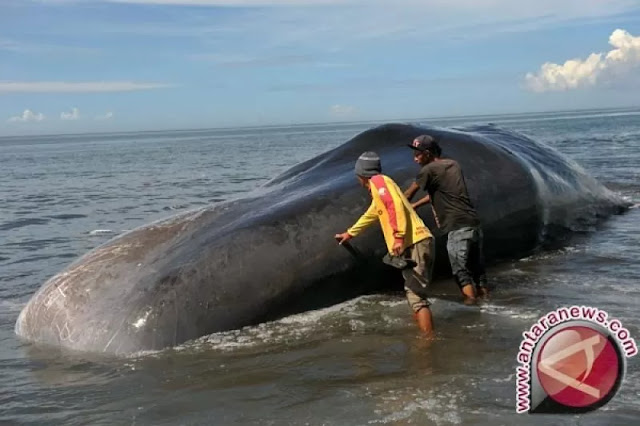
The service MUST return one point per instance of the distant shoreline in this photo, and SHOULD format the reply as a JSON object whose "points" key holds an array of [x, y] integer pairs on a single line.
{"points": [[563, 114]]}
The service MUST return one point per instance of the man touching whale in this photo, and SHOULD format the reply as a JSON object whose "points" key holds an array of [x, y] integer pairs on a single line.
{"points": [[409, 242], [454, 213]]}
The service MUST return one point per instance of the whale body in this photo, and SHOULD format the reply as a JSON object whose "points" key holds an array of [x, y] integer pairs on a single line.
{"points": [[272, 252]]}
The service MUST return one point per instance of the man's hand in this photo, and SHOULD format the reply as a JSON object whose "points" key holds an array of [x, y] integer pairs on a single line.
{"points": [[397, 246], [342, 238], [421, 202]]}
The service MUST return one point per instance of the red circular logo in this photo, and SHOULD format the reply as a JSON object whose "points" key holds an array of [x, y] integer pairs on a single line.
{"points": [[579, 366]]}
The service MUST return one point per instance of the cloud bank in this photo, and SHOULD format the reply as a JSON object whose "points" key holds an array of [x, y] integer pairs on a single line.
{"points": [[73, 115], [596, 69], [27, 116], [342, 110]]}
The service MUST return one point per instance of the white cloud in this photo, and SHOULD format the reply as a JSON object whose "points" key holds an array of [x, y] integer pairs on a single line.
{"points": [[27, 116], [342, 110], [73, 115], [597, 68], [106, 116], [76, 87]]}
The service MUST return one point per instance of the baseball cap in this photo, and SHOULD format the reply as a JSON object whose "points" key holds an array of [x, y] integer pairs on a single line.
{"points": [[425, 143]]}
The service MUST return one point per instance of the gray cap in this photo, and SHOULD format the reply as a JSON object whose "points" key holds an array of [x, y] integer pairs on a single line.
{"points": [[368, 164]]}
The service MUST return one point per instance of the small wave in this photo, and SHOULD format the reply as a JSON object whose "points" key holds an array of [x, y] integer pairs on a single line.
{"points": [[474, 326], [520, 313], [291, 329], [22, 223], [406, 405], [312, 317], [551, 254], [101, 232], [67, 216], [37, 197], [507, 379], [175, 207], [392, 303], [32, 245], [32, 259], [143, 354]]}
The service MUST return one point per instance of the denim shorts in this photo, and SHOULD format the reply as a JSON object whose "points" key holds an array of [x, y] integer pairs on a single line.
{"points": [[466, 256]]}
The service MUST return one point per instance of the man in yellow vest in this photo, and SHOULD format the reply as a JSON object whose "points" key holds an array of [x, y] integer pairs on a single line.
{"points": [[406, 235]]}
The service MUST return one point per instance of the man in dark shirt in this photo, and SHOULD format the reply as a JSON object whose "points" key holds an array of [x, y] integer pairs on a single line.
{"points": [[454, 213]]}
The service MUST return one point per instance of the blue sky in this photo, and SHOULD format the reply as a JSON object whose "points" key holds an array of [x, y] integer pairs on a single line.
{"points": [[98, 65]]}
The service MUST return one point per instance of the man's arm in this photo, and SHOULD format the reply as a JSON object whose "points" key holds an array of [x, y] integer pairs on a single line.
{"points": [[368, 218], [422, 182], [422, 201], [411, 191]]}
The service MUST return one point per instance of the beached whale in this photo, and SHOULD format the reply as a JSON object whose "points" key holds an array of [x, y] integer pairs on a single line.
{"points": [[272, 253]]}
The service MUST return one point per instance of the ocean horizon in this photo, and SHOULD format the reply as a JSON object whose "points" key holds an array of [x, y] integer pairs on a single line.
{"points": [[543, 114]]}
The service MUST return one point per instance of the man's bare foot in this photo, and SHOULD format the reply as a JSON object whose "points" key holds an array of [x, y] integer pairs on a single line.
{"points": [[482, 291], [469, 294]]}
